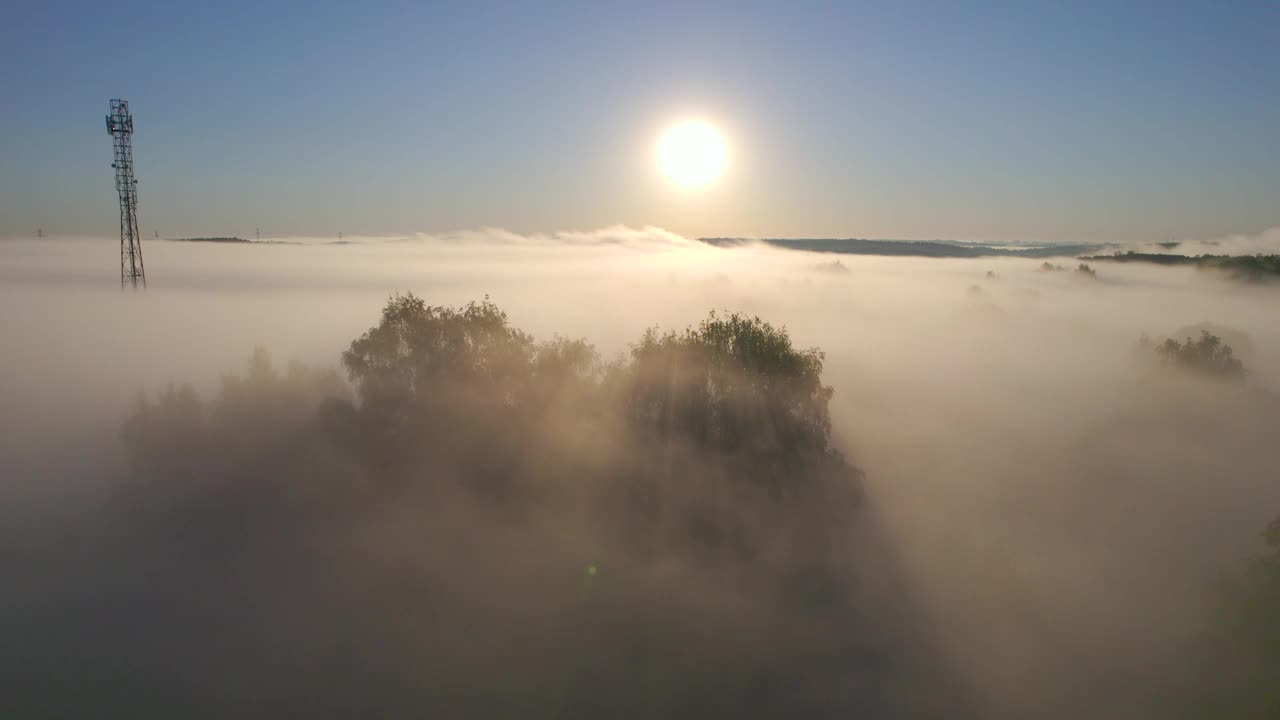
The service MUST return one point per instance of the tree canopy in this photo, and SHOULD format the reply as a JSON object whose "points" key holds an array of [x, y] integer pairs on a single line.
{"points": [[1207, 355], [693, 470]]}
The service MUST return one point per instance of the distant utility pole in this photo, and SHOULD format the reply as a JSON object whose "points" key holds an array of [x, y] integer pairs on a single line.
{"points": [[157, 232], [257, 234], [339, 235], [39, 232], [120, 127]]}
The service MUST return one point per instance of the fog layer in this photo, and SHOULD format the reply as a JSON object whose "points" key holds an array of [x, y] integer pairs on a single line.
{"points": [[1046, 514]]}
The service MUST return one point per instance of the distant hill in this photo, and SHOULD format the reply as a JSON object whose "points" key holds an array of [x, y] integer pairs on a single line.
{"points": [[916, 248]]}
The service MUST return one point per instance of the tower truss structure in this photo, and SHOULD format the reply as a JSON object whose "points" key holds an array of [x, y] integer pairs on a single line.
{"points": [[120, 126]]}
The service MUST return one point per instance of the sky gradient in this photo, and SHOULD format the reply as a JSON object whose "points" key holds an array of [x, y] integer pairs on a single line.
{"points": [[1022, 121]]}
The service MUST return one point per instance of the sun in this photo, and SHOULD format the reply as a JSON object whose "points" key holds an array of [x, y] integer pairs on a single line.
{"points": [[693, 154]]}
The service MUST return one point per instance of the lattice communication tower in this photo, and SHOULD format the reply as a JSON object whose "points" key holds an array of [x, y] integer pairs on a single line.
{"points": [[120, 126]]}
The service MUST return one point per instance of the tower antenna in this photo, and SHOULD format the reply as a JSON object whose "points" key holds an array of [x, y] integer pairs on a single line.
{"points": [[120, 127]]}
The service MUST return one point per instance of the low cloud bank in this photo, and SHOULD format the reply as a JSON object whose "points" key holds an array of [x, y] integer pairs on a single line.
{"points": [[1046, 515]]}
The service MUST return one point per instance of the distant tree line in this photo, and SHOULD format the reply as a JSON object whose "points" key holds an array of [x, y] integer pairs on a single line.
{"points": [[912, 248], [1241, 267]]}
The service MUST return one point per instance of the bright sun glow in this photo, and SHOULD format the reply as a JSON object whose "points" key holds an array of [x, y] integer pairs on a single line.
{"points": [[693, 154]]}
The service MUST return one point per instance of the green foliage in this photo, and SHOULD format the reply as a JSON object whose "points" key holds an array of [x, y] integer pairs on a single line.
{"points": [[474, 472], [1207, 355], [1239, 267], [730, 383], [459, 396], [420, 355], [1243, 267]]}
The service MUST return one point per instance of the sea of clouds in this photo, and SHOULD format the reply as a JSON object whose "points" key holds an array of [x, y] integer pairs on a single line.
{"points": [[1060, 508]]}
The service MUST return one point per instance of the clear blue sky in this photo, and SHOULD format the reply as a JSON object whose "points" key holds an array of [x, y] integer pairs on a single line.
{"points": [[999, 121]]}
